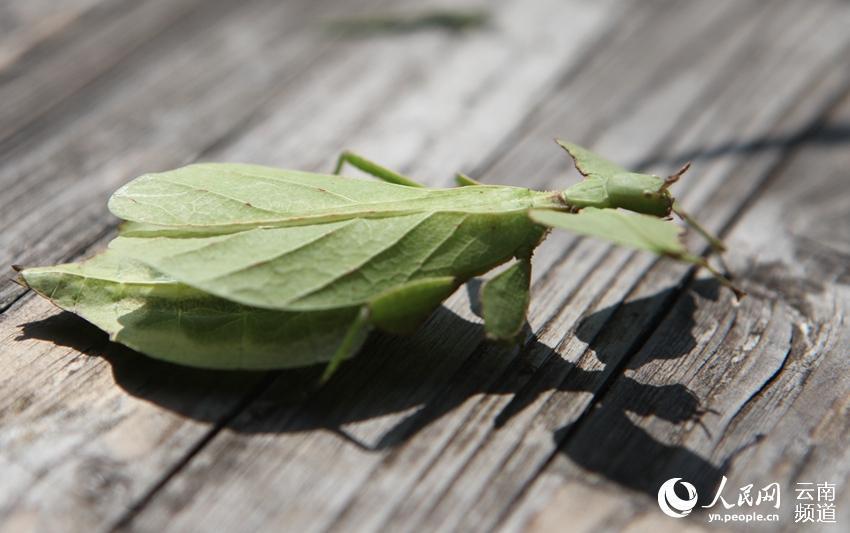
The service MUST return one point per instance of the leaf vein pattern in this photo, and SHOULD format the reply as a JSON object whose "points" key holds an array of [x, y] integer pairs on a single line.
{"points": [[273, 180], [284, 253], [439, 245], [367, 260], [220, 195]]}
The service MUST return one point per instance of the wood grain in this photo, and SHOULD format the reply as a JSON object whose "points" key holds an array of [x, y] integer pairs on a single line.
{"points": [[78, 48], [769, 376], [25, 25], [178, 96], [634, 370], [298, 104], [465, 441]]}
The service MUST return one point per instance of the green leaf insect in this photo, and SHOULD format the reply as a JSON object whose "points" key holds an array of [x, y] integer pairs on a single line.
{"points": [[243, 266]]}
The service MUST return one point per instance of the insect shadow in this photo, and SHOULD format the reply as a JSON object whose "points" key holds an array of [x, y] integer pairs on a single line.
{"points": [[417, 380]]}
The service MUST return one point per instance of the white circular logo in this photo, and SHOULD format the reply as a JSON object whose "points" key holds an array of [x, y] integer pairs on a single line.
{"points": [[671, 504]]}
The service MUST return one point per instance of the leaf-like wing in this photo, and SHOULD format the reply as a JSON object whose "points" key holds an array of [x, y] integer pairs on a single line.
{"points": [[215, 198], [221, 194], [628, 229], [151, 313], [289, 240], [589, 164], [335, 264]]}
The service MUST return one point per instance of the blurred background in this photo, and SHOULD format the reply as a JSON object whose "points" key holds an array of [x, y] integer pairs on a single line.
{"points": [[634, 371]]}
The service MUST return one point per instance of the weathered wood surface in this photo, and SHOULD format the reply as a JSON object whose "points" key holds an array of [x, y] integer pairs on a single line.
{"points": [[634, 370]]}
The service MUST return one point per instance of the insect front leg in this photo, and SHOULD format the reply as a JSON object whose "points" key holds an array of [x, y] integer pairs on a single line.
{"points": [[352, 341], [373, 169], [504, 301], [715, 243], [402, 309], [398, 310], [463, 180]]}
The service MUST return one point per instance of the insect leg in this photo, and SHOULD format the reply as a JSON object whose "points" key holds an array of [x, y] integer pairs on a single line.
{"points": [[401, 309], [722, 278], [504, 301], [354, 337], [373, 169], [715, 243], [463, 180]]}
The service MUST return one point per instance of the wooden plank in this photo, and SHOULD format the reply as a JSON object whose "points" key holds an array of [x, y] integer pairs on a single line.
{"points": [[499, 465], [770, 375], [45, 483], [82, 45], [324, 410], [143, 116], [57, 455], [73, 459], [24, 24], [587, 507], [465, 57], [435, 478]]}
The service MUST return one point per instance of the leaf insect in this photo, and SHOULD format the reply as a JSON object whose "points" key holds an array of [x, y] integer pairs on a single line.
{"points": [[244, 266]]}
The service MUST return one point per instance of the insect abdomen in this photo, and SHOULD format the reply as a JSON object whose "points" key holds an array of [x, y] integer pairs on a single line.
{"points": [[455, 244]]}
